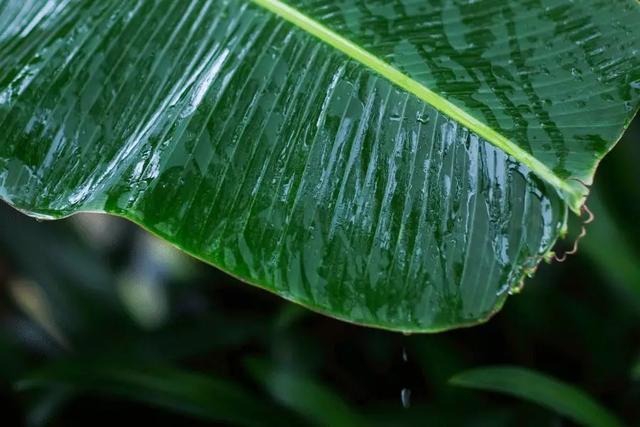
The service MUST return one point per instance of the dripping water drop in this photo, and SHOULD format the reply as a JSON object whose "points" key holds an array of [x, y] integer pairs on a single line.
{"points": [[405, 398]]}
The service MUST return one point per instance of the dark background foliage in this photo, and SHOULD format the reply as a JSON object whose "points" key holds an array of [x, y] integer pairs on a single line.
{"points": [[102, 324]]}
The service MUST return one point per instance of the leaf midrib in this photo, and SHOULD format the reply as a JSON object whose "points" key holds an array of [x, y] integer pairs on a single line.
{"points": [[572, 194]]}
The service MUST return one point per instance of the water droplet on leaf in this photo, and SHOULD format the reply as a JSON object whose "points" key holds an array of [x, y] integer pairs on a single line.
{"points": [[424, 119], [576, 73]]}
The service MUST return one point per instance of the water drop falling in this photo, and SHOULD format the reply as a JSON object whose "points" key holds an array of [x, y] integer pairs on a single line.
{"points": [[405, 358], [405, 398]]}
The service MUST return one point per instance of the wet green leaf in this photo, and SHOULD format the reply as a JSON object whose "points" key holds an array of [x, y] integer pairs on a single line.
{"points": [[403, 165], [541, 389]]}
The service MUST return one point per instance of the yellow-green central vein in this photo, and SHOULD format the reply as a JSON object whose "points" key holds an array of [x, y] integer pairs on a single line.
{"points": [[572, 193]]}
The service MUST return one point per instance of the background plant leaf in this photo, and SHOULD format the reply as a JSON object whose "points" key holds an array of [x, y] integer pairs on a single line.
{"points": [[318, 404], [541, 389], [196, 394]]}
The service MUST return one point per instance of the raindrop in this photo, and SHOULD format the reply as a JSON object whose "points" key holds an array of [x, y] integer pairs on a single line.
{"points": [[406, 333], [405, 358], [576, 73], [405, 397], [424, 119], [502, 289]]}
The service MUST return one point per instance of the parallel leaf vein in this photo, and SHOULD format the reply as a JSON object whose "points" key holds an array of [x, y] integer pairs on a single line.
{"points": [[572, 193]]}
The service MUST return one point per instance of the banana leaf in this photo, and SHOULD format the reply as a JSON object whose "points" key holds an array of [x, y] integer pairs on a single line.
{"points": [[401, 164]]}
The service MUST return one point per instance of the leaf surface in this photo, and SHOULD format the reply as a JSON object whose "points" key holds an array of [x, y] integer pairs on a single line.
{"points": [[397, 164]]}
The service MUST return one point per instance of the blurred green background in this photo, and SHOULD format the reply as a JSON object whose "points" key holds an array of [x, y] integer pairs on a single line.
{"points": [[101, 323]]}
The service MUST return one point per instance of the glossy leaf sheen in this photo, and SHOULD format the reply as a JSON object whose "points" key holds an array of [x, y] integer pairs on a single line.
{"points": [[231, 131]]}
